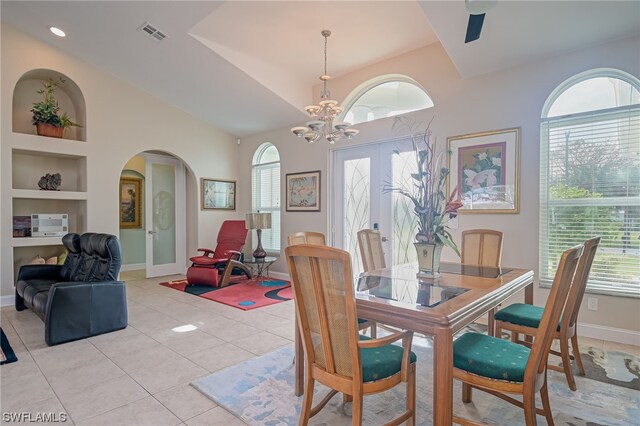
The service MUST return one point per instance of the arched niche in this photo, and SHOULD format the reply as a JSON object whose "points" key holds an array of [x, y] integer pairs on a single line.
{"points": [[68, 95]]}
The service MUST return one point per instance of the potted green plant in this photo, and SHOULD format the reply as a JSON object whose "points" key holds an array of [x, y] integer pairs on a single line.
{"points": [[46, 113], [426, 191]]}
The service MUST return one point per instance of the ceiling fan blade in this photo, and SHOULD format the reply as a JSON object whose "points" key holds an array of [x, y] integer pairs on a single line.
{"points": [[474, 27]]}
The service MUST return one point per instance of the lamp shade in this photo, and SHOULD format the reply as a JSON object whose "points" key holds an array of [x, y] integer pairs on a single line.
{"points": [[258, 220]]}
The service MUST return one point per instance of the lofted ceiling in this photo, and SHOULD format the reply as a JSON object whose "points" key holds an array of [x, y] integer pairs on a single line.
{"points": [[249, 66]]}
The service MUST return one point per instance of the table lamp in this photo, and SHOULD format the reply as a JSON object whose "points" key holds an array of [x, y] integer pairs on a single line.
{"points": [[258, 221]]}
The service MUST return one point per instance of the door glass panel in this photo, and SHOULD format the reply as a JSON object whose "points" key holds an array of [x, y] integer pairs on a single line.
{"points": [[357, 203], [164, 207], [404, 222]]}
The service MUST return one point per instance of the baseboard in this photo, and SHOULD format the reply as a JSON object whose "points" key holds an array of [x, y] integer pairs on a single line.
{"points": [[133, 267], [280, 275], [610, 334], [8, 300]]}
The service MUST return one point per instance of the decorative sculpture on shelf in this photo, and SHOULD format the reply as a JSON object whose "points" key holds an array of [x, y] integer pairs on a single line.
{"points": [[50, 182]]}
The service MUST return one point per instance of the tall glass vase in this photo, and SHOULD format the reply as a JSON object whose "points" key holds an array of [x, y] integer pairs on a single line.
{"points": [[429, 258]]}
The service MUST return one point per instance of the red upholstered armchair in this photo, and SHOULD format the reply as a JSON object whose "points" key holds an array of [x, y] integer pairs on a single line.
{"points": [[216, 267]]}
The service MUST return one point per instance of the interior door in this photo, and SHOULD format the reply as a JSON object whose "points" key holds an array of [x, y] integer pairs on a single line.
{"points": [[165, 216], [359, 200]]}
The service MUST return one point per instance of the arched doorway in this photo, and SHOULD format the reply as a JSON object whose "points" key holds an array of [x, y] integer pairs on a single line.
{"points": [[157, 194]]}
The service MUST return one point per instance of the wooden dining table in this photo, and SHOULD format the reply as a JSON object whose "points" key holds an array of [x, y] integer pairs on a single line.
{"points": [[439, 307]]}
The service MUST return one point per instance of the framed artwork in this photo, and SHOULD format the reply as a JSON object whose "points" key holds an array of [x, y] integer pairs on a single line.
{"points": [[303, 191], [486, 169], [131, 203], [217, 194]]}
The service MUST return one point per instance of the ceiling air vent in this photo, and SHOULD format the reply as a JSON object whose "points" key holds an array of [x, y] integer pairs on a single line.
{"points": [[152, 31]]}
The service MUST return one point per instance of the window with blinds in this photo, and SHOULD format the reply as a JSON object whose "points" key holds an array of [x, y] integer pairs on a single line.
{"points": [[590, 181], [265, 189]]}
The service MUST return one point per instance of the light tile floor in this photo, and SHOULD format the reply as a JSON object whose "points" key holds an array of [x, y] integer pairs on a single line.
{"points": [[141, 375]]}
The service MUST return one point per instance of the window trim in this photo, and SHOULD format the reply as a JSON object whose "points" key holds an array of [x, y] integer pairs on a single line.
{"points": [[594, 286], [372, 83], [579, 78]]}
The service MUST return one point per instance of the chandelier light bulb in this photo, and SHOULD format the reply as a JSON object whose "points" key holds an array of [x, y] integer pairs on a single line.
{"points": [[323, 114]]}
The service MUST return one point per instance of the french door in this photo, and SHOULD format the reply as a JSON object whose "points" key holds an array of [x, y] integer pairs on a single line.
{"points": [[165, 216], [359, 199]]}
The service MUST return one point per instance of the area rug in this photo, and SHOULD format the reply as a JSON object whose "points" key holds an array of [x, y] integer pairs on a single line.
{"points": [[246, 295], [260, 392], [7, 356], [614, 367]]}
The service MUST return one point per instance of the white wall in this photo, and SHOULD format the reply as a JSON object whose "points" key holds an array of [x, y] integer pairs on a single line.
{"points": [[512, 98], [122, 121]]}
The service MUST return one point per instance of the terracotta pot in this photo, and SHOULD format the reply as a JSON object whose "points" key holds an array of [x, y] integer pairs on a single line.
{"points": [[429, 258], [49, 130]]}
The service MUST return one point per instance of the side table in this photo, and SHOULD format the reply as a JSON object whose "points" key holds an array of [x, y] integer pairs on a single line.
{"points": [[259, 266]]}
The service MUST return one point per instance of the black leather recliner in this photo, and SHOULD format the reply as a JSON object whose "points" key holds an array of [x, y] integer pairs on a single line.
{"points": [[80, 298]]}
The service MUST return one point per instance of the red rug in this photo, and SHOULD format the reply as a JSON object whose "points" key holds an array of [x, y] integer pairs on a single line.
{"points": [[246, 295]]}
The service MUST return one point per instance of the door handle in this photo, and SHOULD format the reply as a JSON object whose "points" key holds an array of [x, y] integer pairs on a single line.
{"points": [[151, 232], [384, 239]]}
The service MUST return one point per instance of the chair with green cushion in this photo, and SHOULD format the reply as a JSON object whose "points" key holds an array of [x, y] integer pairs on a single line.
{"points": [[337, 356], [521, 318], [501, 367]]}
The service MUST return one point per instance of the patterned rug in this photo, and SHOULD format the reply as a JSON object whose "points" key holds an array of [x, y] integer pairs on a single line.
{"points": [[7, 355], [245, 295], [614, 367], [260, 391]]}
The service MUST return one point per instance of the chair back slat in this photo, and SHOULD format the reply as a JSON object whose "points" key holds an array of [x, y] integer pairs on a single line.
{"points": [[580, 282], [481, 247], [307, 237], [553, 309], [325, 305], [371, 252]]}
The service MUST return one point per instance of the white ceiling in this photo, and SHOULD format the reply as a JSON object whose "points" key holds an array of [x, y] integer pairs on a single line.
{"points": [[247, 67]]}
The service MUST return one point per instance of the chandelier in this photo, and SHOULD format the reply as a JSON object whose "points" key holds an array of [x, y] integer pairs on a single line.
{"points": [[323, 114]]}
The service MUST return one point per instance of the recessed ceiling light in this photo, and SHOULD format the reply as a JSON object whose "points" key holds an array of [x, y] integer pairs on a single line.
{"points": [[57, 31]]}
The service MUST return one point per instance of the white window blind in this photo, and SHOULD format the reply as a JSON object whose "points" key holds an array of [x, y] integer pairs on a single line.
{"points": [[266, 194], [590, 186]]}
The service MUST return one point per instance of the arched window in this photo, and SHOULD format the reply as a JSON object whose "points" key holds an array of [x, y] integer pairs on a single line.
{"points": [[385, 96], [590, 177], [265, 189]]}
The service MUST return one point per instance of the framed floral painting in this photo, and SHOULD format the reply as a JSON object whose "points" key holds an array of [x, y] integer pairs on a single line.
{"points": [[303, 191], [486, 169]]}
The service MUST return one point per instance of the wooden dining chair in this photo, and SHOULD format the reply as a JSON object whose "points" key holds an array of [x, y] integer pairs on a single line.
{"points": [[521, 318], [337, 356], [481, 247], [307, 237], [370, 243], [317, 238], [501, 367]]}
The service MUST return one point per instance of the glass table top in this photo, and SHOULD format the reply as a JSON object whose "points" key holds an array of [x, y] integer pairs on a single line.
{"points": [[402, 283], [251, 259]]}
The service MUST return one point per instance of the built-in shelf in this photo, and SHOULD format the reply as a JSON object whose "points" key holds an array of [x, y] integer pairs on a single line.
{"points": [[68, 96], [54, 147], [35, 194], [36, 241], [33, 157]]}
